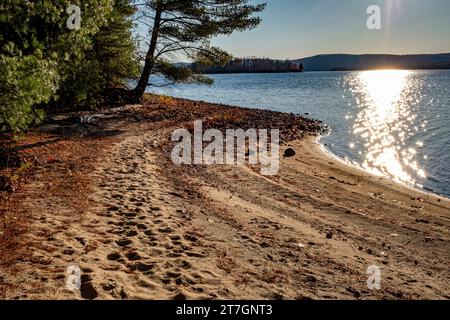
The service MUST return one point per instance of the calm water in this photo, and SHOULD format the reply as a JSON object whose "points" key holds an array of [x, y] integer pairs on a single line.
{"points": [[392, 123]]}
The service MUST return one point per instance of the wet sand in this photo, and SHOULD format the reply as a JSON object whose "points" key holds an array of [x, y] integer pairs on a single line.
{"points": [[147, 229]]}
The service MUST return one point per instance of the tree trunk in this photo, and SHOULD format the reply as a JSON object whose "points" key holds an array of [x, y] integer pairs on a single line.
{"points": [[139, 91]]}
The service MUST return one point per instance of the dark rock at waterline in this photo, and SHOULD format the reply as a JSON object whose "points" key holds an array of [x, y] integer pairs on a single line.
{"points": [[289, 152]]}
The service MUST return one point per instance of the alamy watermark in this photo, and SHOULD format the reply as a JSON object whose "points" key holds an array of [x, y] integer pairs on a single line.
{"points": [[74, 20], [73, 278], [374, 19], [374, 278], [235, 147]]}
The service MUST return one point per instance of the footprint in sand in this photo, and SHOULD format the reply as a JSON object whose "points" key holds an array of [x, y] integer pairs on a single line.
{"points": [[124, 242], [87, 290]]}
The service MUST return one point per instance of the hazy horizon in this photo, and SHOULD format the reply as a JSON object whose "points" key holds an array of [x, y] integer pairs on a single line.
{"points": [[292, 29]]}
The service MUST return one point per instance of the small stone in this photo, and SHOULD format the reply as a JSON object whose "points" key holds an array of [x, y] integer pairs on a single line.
{"points": [[289, 152]]}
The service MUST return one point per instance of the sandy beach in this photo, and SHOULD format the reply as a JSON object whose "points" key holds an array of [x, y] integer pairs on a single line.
{"points": [[106, 197]]}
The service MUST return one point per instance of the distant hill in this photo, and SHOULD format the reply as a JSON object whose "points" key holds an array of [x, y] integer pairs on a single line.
{"points": [[374, 61], [329, 62]]}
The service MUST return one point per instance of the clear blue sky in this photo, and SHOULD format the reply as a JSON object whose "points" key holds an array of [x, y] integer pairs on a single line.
{"points": [[300, 28]]}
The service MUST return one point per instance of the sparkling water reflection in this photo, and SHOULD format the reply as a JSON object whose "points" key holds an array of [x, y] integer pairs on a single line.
{"points": [[393, 123], [387, 113]]}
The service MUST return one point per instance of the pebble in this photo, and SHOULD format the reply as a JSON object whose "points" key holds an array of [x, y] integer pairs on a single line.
{"points": [[289, 152]]}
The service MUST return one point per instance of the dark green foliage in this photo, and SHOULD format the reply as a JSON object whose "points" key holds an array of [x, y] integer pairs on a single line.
{"points": [[108, 63], [45, 64], [183, 29], [115, 49], [24, 83], [28, 62]]}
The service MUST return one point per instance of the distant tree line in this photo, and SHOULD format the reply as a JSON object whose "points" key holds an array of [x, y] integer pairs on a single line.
{"points": [[252, 65]]}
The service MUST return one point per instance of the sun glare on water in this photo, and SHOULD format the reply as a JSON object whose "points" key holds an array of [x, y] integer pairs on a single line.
{"points": [[383, 122]]}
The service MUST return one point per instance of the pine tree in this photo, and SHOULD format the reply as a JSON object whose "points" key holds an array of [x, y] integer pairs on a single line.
{"points": [[115, 48], [108, 63], [185, 27]]}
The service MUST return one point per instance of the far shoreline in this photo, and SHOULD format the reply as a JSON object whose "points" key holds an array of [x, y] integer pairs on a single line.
{"points": [[333, 71]]}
